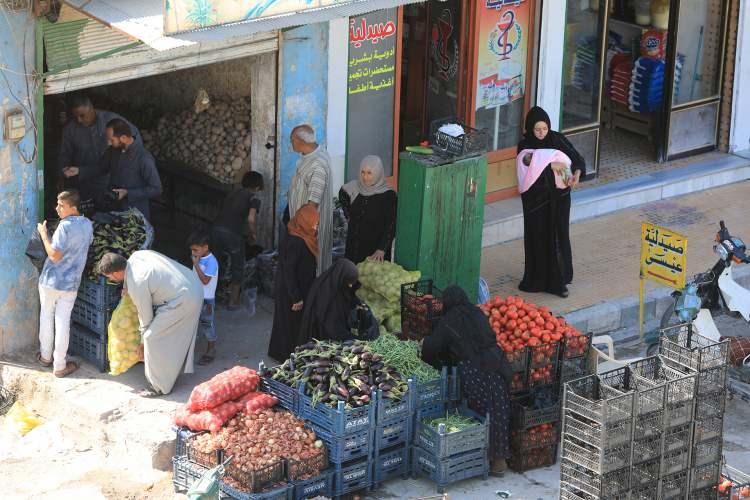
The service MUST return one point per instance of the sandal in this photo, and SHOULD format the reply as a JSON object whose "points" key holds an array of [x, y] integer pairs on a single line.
{"points": [[42, 361], [70, 367], [149, 392], [206, 359]]}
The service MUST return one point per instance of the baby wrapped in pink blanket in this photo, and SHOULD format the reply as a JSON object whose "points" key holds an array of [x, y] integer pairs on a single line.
{"points": [[530, 163]]}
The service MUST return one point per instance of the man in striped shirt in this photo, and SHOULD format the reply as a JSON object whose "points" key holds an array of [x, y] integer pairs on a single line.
{"points": [[312, 184]]}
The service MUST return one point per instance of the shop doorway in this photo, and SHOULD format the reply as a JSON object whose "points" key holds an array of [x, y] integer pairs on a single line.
{"points": [[642, 81]]}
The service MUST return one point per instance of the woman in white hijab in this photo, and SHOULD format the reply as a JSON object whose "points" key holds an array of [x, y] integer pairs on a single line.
{"points": [[370, 207]]}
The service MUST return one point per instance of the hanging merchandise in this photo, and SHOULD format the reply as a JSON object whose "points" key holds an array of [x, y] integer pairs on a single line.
{"points": [[647, 86], [643, 12], [654, 44], [584, 65], [621, 75], [660, 14]]}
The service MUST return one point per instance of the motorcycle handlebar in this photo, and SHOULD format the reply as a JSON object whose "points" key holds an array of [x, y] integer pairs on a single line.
{"points": [[721, 225]]}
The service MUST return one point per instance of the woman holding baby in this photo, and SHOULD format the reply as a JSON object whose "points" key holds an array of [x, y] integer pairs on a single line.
{"points": [[548, 167]]}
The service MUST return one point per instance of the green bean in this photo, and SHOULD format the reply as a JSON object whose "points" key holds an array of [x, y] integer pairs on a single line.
{"points": [[403, 355], [454, 422]]}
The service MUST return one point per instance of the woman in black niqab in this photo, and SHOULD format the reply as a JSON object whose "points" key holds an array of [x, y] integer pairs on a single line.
{"points": [[463, 338], [328, 304], [546, 212]]}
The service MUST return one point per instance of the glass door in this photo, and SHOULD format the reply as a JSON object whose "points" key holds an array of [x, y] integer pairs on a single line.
{"points": [[584, 77], [696, 55]]}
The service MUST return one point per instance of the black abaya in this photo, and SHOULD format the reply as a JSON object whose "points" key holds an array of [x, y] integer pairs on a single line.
{"points": [[546, 216], [372, 224], [294, 276]]}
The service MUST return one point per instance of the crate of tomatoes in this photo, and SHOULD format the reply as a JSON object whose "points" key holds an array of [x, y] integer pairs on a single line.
{"points": [[421, 308]]}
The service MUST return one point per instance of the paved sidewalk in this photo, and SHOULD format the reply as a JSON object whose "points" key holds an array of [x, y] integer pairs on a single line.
{"points": [[606, 249]]}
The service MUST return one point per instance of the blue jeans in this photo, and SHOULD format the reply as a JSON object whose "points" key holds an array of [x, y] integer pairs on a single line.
{"points": [[206, 323]]}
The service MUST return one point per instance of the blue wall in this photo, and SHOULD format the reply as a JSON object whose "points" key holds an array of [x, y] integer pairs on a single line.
{"points": [[302, 94], [19, 309]]}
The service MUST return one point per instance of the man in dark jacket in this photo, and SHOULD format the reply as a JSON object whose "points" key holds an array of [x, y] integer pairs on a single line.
{"points": [[133, 178], [84, 141]]}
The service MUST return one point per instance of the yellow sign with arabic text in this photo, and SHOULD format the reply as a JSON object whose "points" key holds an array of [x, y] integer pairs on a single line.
{"points": [[663, 255]]}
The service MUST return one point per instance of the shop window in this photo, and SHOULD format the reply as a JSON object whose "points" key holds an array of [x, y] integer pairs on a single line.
{"points": [[444, 60]]}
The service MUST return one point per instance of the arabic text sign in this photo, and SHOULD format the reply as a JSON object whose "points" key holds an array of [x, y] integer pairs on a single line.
{"points": [[371, 84], [663, 255]]}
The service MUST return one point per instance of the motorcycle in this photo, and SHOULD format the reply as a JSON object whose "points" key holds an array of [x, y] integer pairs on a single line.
{"points": [[710, 293]]}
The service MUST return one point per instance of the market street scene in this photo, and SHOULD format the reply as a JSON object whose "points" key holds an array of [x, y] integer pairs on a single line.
{"points": [[375, 249]]}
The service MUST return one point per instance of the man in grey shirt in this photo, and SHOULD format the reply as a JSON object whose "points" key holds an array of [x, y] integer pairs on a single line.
{"points": [[84, 141], [133, 177]]}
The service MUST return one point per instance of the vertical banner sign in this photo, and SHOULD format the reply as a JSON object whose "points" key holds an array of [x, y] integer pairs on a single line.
{"points": [[663, 259], [371, 89]]}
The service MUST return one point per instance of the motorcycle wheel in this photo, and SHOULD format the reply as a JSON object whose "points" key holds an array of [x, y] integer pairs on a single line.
{"points": [[670, 318]]}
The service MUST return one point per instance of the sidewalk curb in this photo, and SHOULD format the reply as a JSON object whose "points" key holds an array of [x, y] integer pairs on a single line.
{"points": [[620, 314]]}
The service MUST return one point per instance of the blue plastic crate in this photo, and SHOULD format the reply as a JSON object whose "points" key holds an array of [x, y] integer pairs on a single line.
{"points": [[352, 477], [445, 444], [287, 396], [89, 346], [393, 433], [346, 448], [182, 435], [100, 294], [283, 492], [337, 421], [430, 393], [454, 385], [449, 470], [388, 410], [321, 486], [391, 463], [90, 316]]}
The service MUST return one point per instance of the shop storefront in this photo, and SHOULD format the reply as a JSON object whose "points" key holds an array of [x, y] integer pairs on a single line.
{"points": [[642, 80]]}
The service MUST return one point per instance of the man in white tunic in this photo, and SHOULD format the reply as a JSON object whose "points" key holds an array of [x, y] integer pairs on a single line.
{"points": [[168, 297], [311, 184]]}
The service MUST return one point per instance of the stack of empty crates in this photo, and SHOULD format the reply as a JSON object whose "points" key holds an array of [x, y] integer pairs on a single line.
{"points": [[650, 430], [90, 318]]}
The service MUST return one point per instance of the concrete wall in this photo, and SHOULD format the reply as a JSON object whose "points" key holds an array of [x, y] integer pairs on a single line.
{"points": [[303, 87], [551, 51], [740, 130], [338, 72], [19, 302]]}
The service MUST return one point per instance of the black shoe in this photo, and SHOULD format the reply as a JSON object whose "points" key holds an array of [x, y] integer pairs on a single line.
{"points": [[564, 293]]}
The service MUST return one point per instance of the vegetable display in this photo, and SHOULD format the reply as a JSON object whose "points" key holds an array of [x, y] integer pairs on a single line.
{"points": [[122, 233], [225, 386], [123, 337], [403, 355], [381, 290], [335, 371], [453, 421]]}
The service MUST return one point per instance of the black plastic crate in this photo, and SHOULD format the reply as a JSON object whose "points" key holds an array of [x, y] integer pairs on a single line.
{"points": [[353, 446], [421, 308], [577, 347], [393, 433], [451, 469], [533, 458], [534, 437], [707, 452], [338, 420], [443, 443], [573, 368], [352, 477], [94, 318], [674, 486], [320, 486], [182, 435], [536, 408], [471, 142], [89, 346], [100, 294], [391, 463], [274, 492], [580, 479], [258, 479], [304, 469], [200, 458]]}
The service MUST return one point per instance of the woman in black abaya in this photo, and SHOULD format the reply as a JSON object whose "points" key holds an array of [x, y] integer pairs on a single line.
{"points": [[546, 212]]}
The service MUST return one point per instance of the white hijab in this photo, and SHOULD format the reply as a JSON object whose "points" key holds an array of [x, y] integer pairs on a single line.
{"points": [[355, 188]]}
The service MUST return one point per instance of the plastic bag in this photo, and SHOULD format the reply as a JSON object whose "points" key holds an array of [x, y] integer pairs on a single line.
{"points": [[20, 420], [124, 337]]}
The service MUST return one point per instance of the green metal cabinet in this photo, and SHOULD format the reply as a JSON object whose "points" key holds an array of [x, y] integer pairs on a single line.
{"points": [[440, 219]]}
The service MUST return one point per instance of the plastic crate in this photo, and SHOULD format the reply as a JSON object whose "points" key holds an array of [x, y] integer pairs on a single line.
{"points": [[681, 344], [391, 463], [421, 308], [678, 437], [89, 345], [711, 405], [589, 398], [7, 399], [442, 443], [254, 481], [352, 477], [320, 486], [533, 458], [739, 479], [301, 470], [594, 459], [645, 492], [709, 380], [577, 347], [534, 409], [430, 393], [680, 386], [707, 452], [608, 436], [200, 458], [542, 376], [674, 486], [336, 421], [705, 476], [525, 439], [288, 396], [581, 479], [454, 385], [544, 355], [184, 473], [675, 461], [388, 410], [648, 448], [276, 492], [573, 368], [708, 428], [519, 365], [649, 424], [710, 493], [348, 447], [472, 142], [644, 473], [182, 435], [393, 433], [452, 469], [100, 294], [677, 414], [94, 318]]}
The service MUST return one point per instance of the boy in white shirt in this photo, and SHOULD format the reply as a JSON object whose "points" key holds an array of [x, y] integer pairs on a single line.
{"points": [[207, 268]]}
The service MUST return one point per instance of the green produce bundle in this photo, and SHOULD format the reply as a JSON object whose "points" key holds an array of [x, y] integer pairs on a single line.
{"points": [[122, 233], [454, 422], [403, 355], [385, 278]]}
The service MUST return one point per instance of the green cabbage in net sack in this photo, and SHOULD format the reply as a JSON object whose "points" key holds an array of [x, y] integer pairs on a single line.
{"points": [[124, 337], [385, 278]]}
